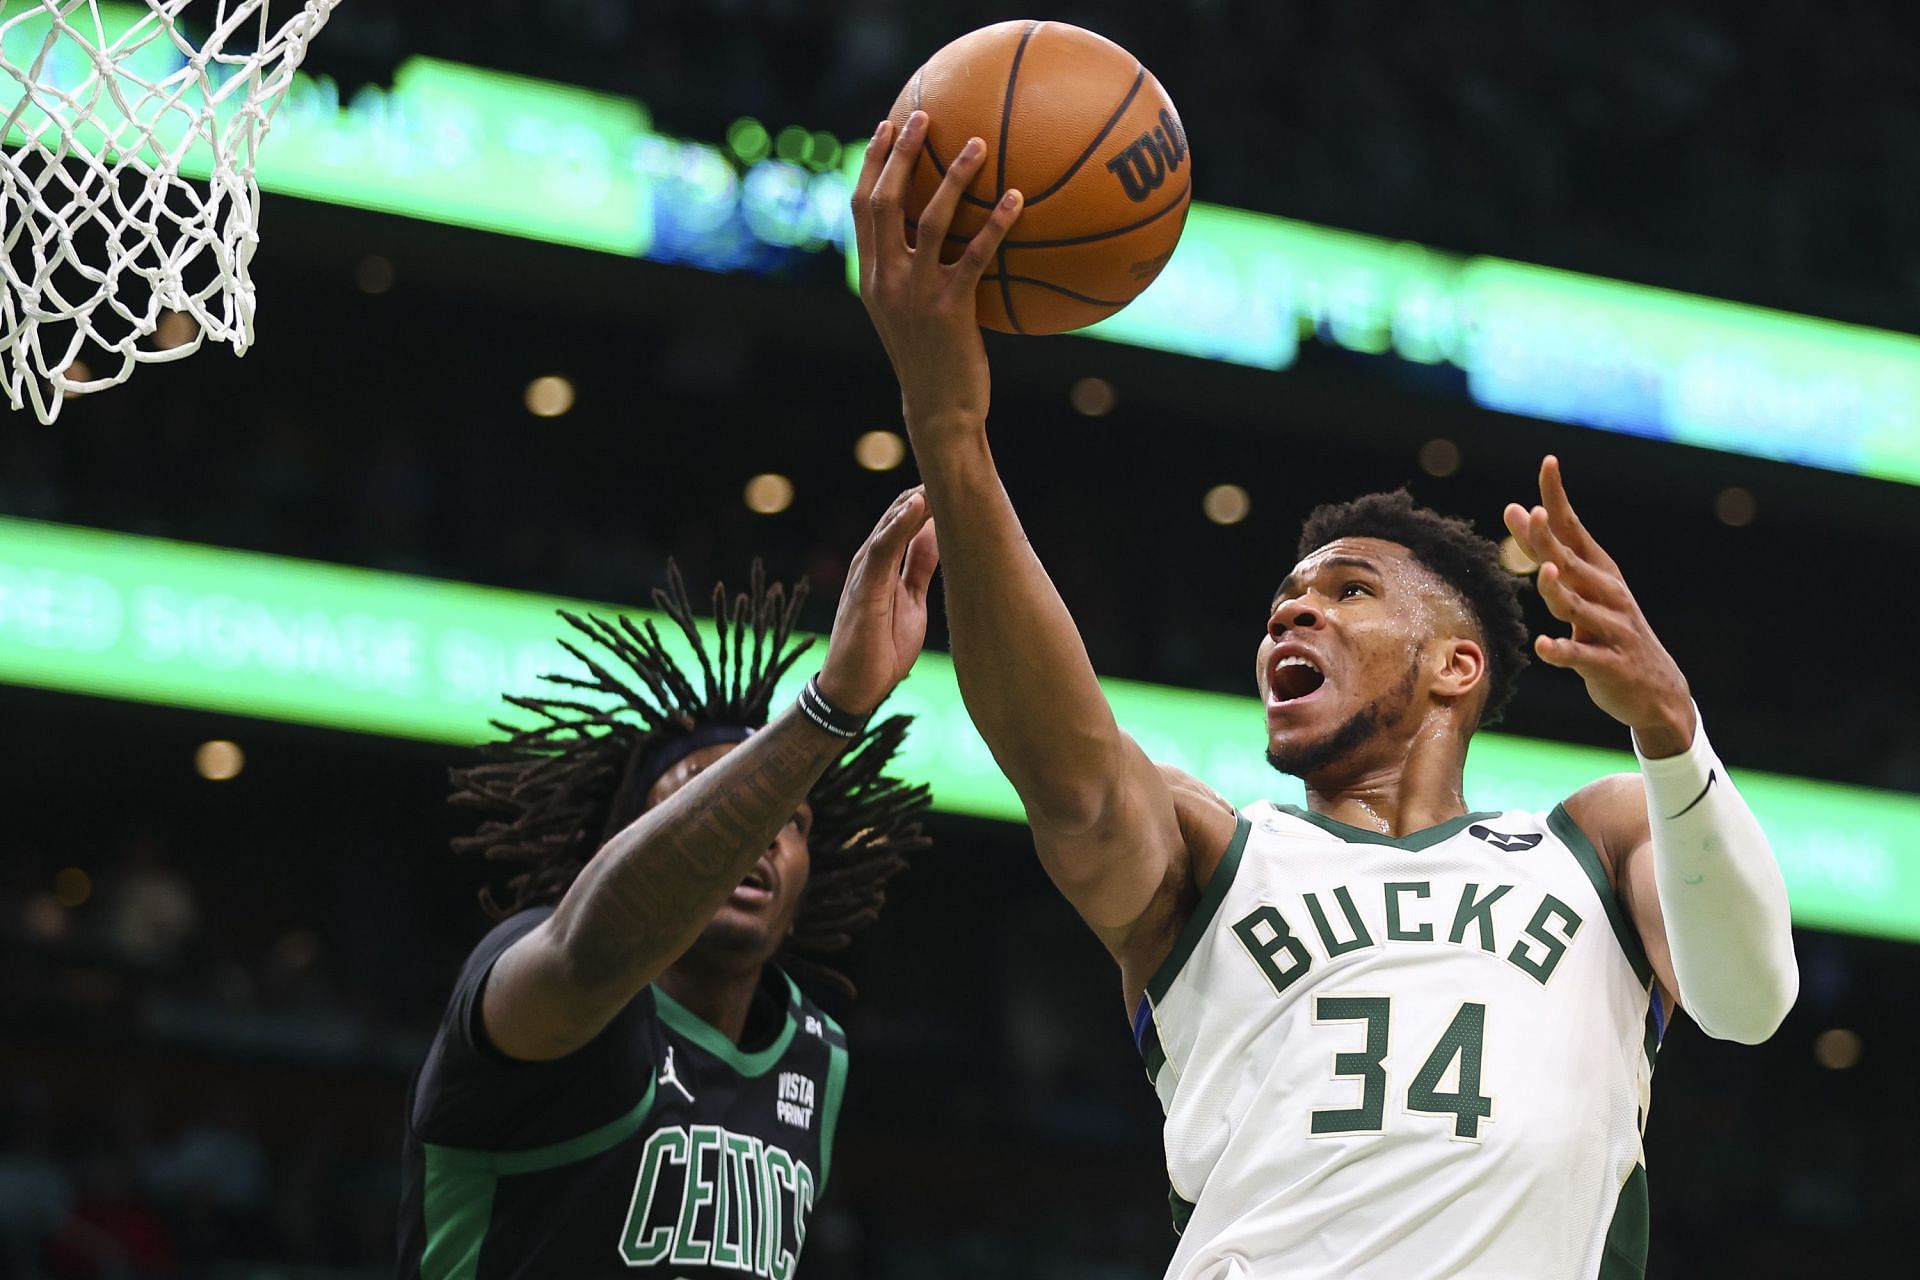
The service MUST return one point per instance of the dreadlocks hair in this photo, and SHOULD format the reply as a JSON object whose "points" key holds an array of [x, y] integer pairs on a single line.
{"points": [[552, 793], [1452, 551]]}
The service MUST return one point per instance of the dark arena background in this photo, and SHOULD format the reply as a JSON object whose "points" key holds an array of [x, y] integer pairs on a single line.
{"points": [[553, 289]]}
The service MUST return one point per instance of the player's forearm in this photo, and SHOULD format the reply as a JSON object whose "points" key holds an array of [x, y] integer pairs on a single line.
{"points": [[1721, 894], [645, 896], [1022, 667]]}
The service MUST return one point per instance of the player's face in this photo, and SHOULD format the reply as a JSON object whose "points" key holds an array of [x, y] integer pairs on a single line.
{"points": [[757, 917], [1340, 666]]}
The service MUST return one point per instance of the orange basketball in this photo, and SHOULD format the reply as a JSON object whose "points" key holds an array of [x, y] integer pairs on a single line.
{"points": [[1090, 139]]}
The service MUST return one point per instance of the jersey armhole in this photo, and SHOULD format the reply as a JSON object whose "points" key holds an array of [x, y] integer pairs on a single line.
{"points": [[1561, 823], [1203, 912]]}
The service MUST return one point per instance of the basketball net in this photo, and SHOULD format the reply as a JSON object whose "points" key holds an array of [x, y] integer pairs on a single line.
{"points": [[128, 206]]}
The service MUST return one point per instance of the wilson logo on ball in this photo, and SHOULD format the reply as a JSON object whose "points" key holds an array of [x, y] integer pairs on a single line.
{"points": [[1143, 167]]}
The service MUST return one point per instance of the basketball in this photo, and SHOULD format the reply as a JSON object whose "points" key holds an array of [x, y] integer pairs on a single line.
{"points": [[1092, 141]]}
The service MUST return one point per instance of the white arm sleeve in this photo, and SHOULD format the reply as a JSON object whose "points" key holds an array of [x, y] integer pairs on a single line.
{"points": [[1721, 892]]}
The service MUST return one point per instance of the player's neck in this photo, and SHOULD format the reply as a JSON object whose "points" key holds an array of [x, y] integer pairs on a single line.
{"points": [[719, 994], [1413, 785]]}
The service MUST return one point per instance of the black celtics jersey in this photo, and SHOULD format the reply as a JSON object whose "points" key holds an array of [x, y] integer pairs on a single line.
{"points": [[659, 1147]]}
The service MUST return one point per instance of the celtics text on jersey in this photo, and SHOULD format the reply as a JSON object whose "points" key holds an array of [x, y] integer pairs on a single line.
{"points": [[660, 1148]]}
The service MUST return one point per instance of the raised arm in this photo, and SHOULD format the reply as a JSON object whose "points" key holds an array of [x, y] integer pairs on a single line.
{"points": [[645, 896], [1103, 816], [1688, 859]]}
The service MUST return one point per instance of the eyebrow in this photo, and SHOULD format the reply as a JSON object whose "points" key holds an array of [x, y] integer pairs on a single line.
{"points": [[1290, 583]]}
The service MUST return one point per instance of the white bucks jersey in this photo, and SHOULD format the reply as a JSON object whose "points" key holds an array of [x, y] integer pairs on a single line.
{"points": [[1416, 1057]]}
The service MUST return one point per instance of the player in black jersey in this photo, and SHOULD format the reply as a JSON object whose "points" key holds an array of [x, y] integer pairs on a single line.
{"points": [[626, 1077]]}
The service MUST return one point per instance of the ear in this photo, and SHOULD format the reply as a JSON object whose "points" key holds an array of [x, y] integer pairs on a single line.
{"points": [[1462, 668]]}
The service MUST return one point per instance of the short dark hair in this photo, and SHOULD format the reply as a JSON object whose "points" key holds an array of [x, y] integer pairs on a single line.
{"points": [[1449, 548]]}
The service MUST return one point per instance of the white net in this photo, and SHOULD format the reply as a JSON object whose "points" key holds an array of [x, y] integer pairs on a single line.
{"points": [[128, 206]]}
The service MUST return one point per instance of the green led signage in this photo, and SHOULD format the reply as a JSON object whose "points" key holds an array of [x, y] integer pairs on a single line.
{"points": [[180, 624], [479, 148]]}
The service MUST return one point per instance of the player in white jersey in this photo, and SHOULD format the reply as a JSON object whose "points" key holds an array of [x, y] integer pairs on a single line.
{"points": [[1394, 1038]]}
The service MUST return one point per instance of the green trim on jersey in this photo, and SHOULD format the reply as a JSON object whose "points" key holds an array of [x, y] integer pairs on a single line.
{"points": [[1625, 1254], [1182, 1210], [458, 1196], [690, 1025], [830, 1116], [552, 1156], [1203, 912], [458, 1206], [1153, 1052], [1561, 823], [1413, 841]]}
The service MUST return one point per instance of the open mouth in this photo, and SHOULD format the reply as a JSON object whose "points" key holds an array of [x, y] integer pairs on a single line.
{"points": [[757, 886], [1294, 678]]}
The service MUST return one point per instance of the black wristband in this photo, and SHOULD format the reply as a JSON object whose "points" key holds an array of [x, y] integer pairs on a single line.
{"points": [[815, 707]]}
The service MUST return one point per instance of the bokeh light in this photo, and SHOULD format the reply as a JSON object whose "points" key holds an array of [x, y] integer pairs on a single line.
{"points": [[373, 274], [880, 450], [549, 397], [1226, 504], [176, 329], [1440, 458], [219, 760], [1837, 1049], [1095, 397], [769, 493], [1513, 559], [747, 138], [1736, 507]]}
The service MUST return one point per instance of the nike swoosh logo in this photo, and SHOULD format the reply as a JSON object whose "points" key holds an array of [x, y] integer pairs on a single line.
{"points": [[1713, 776]]}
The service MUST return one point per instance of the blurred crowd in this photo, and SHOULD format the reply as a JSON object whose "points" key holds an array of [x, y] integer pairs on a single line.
{"points": [[158, 1113], [1755, 150]]}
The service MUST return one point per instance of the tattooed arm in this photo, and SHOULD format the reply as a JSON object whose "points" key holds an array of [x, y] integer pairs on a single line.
{"points": [[646, 895]]}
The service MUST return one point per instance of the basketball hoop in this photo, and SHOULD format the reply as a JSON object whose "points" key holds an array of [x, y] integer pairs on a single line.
{"points": [[127, 192]]}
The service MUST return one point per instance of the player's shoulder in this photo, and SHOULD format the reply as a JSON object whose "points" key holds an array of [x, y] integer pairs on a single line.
{"points": [[496, 941], [809, 1017], [1605, 794], [1208, 822], [1189, 789], [1611, 812], [510, 929]]}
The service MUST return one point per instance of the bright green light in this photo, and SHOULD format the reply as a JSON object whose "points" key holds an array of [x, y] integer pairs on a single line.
{"points": [[484, 149], [792, 144], [823, 151], [457, 144], [447, 143], [193, 626], [747, 139]]}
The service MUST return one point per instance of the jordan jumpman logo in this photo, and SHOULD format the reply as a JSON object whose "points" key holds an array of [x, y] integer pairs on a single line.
{"points": [[668, 1076]]}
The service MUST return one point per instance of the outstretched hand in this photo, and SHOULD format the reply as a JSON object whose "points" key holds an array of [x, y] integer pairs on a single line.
{"points": [[924, 308], [1629, 673], [882, 618]]}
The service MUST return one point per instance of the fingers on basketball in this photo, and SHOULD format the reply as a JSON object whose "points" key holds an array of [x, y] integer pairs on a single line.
{"points": [[862, 201], [1074, 122]]}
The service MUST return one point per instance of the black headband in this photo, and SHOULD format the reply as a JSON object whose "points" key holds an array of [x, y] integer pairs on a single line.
{"points": [[649, 765], [662, 756]]}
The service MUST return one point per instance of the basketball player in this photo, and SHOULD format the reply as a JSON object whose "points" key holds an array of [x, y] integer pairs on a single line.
{"points": [[627, 1078], [1392, 1037]]}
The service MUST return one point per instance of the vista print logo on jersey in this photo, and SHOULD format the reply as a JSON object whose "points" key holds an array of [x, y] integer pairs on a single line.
{"points": [[1504, 841], [795, 1105], [742, 1203]]}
